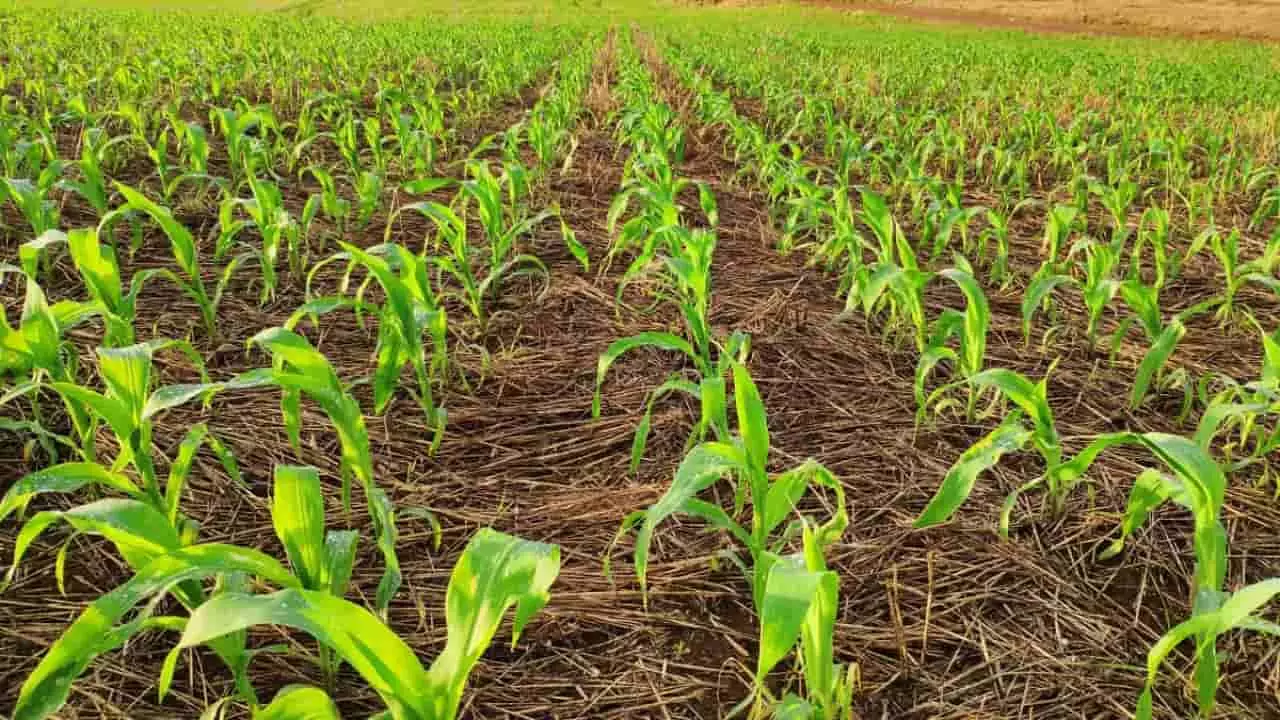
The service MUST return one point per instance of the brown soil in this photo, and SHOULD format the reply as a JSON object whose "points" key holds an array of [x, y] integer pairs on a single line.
{"points": [[1207, 19]]}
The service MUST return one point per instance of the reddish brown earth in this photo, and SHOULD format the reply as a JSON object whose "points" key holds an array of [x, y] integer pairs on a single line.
{"points": [[1208, 19]]}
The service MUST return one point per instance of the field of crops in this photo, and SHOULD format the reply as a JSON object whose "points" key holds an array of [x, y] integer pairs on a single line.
{"points": [[643, 362]]}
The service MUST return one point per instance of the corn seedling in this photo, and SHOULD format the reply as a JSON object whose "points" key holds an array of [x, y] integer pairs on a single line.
{"points": [[968, 328], [495, 573], [411, 311], [1238, 611], [276, 227], [184, 249], [1239, 412], [36, 349], [687, 284], [1238, 273], [92, 185], [794, 596], [299, 369], [147, 521], [1061, 474], [32, 199], [1197, 483], [100, 273]]}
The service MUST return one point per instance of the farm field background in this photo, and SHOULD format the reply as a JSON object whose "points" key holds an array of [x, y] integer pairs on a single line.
{"points": [[585, 360], [1221, 19]]}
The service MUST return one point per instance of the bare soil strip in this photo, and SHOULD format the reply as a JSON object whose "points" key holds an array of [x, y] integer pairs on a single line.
{"points": [[1204, 20]]}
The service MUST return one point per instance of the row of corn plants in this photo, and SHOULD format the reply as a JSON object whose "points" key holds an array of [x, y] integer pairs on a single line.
{"points": [[669, 251], [1186, 472], [219, 587]]}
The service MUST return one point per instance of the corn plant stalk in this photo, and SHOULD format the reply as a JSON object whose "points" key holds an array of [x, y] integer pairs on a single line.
{"points": [[744, 459]]}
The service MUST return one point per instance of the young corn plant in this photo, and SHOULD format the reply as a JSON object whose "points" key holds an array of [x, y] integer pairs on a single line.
{"points": [[1144, 301], [368, 189], [1117, 198], [242, 130], [299, 369], [652, 189], [276, 227], [1239, 413], [495, 573], [185, 252], [479, 272], [92, 185], [100, 273], [997, 233], [507, 571], [35, 352], [498, 203], [795, 596], [895, 281], [1196, 482], [686, 281], [1059, 225], [969, 329], [1153, 231], [1238, 273], [32, 199], [1032, 424], [143, 518], [1238, 611], [411, 311], [336, 208], [1098, 285]]}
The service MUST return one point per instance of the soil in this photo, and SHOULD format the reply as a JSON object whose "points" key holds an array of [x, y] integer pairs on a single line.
{"points": [[952, 622], [1205, 19]]}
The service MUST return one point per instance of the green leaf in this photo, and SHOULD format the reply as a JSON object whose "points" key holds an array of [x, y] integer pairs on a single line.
{"points": [[700, 469], [659, 340], [297, 514], [97, 267], [929, 359], [817, 635], [1154, 361], [181, 467], [793, 707], [299, 702], [64, 478], [96, 631], [753, 422], [1038, 291], [1011, 436], [495, 572], [167, 670], [788, 595], [1031, 398], [183, 244], [340, 559], [1150, 490], [139, 532], [1202, 489], [116, 413], [977, 318], [385, 662], [576, 248]]}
